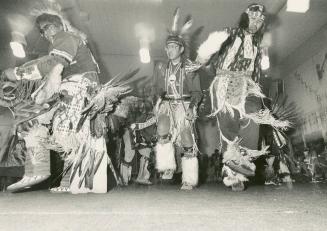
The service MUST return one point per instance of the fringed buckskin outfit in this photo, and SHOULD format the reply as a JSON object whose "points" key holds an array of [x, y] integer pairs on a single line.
{"points": [[179, 89], [176, 149], [236, 95]]}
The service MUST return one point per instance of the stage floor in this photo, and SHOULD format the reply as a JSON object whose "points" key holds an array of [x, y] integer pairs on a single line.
{"points": [[165, 207]]}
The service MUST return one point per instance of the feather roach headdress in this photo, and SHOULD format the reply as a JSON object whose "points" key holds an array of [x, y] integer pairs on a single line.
{"points": [[54, 9], [179, 36]]}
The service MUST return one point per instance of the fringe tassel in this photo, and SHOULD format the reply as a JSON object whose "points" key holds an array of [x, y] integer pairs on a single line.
{"points": [[218, 92], [87, 161], [265, 117], [35, 135], [233, 151], [254, 89]]}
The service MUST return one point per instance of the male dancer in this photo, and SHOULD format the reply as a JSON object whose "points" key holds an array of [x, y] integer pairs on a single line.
{"points": [[179, 94], [68, 69], [235, 57]]}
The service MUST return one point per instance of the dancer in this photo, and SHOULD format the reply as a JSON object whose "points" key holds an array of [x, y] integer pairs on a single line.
{"points": [[142, 134], [235, 57], [70, 72], [179, 93]]}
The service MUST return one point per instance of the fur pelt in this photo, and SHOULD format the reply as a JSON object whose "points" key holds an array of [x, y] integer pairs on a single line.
{"points": [[211, 45], [165, 157], [232, 177], [190, 168]]}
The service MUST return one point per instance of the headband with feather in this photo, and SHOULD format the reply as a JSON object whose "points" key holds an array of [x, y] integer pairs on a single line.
{"points": [[256, 11], [176, 35]]}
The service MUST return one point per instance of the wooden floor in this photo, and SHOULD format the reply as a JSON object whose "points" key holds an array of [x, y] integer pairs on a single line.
{"points": [[165, 207]]}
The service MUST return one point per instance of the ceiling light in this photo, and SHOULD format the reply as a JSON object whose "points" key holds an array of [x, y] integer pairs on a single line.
{"points": [[145, 55], [300, 6], [144, 50], [17, 49], [17, 44], [265, 62]]}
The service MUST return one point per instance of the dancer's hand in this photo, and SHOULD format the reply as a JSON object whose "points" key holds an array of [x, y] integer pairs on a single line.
{"points": [[133, 126]]}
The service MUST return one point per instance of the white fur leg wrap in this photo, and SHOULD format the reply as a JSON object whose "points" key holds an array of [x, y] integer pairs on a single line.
{"points": [[190, 168], [232, 177], [165, 157], [283, 169]]}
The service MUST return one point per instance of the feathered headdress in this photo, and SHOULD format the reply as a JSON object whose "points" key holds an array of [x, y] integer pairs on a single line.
{"points": [[179, 36], [256, 11], [54, 8]]}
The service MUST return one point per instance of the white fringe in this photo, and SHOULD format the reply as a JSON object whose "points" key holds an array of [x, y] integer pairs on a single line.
{"points": [[190, 168], [218, 92], [68, 143], [233, 151], [256, 153], [35, 135], [211, 45], [165, 157], [265, 117], [254, 88]]}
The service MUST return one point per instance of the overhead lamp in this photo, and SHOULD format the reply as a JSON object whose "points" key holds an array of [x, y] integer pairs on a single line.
{"points": [[299, 6], [145, 55], [17, 44], [144, 51], [265, 62]]}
